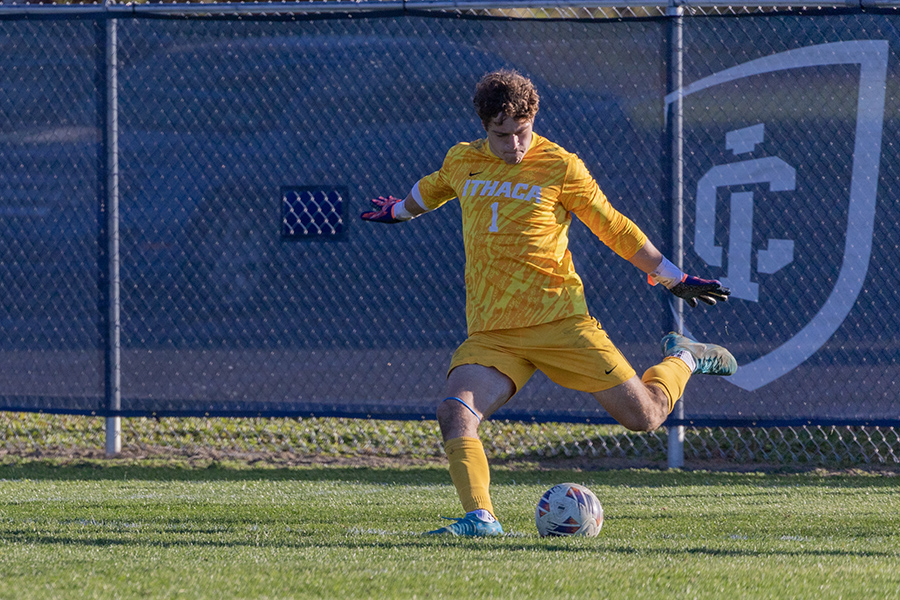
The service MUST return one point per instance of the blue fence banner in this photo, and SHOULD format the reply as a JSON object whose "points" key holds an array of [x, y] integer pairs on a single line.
{"points": [[246, 149]]}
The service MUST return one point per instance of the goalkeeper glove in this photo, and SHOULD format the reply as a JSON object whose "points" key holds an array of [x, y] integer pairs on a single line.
{"points": [[691, 288], [387, 210], [688, 287]]}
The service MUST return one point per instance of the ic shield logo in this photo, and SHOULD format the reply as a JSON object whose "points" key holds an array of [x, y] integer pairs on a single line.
{"points": [[781, 176]]}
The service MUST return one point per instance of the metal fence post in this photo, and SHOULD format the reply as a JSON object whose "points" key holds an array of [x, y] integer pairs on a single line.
{"points": [[113, 340], [676, 158]]}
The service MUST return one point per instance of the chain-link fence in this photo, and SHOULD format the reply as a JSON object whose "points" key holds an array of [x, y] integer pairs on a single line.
{"points": [[281, 441], [180, 185]]}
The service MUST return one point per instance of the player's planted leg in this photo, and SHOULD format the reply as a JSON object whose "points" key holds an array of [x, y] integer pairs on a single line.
{"points": [[474, 393], [469, 471]]}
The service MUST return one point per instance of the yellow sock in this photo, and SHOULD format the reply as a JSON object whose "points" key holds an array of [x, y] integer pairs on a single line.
{"points": [[671, 375], [470, 473]]}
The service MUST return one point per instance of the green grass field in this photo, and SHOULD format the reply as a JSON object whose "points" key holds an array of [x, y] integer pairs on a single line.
{"points": [[117, 530]]}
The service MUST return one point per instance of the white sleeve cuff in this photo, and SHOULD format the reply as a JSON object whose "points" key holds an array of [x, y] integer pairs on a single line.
{"points": [[417, 196], [666, 273], [399, 212]]}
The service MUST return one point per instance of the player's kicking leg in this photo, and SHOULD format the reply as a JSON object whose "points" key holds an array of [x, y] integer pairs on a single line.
{"points": [[473, 392], [643, 404]]}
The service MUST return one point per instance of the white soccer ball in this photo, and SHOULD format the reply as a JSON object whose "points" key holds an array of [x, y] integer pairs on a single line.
{"points": [[569, 509]]}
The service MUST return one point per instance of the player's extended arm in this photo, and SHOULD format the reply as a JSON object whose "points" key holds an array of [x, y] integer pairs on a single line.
{"points": [[660, 270], [393, 210]]}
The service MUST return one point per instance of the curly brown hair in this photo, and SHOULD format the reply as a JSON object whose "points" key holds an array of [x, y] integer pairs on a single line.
{"points": [[508, 92]]}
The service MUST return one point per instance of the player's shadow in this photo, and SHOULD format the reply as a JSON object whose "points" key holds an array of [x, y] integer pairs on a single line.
{"points": [[94, 471]]}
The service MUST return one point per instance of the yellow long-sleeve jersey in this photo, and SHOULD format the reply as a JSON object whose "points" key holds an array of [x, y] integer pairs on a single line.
{"points": [[516, 218]]}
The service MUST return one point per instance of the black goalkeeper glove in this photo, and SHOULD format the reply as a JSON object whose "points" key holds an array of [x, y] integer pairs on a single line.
{"points": [[383, 210], [690, 289]]}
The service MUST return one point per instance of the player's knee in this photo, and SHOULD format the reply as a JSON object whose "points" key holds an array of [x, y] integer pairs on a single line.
{"points": [[456, 420], [635, 406], [643, 420], [451, 412], [445, 412]]}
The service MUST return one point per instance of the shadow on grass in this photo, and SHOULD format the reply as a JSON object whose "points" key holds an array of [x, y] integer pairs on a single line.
{"points": [[506, 545], [433, 474]]}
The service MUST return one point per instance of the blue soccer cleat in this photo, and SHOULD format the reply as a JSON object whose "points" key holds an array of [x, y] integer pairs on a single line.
{"points": [[710, 358], [469, 526]]}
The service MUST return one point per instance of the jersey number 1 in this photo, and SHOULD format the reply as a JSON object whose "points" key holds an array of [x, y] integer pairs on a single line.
{"points": [[495, 208]]}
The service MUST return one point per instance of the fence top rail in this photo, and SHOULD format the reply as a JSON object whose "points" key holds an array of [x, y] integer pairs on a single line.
{"points": [[360, 6]]}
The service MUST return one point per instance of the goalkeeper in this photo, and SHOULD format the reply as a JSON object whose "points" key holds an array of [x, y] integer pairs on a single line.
{"points": [[525, 305]]}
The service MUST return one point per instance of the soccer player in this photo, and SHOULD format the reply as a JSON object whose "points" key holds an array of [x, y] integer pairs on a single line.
{"points": [[525, 306]]}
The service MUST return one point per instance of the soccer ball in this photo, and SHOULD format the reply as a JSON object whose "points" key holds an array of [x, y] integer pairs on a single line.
{"points": [[569, 509]]}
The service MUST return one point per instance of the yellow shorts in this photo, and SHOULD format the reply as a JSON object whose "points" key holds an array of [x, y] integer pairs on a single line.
{"points": [[574, 352]]}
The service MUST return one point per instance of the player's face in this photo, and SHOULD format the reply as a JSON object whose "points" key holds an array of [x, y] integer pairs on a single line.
{"points": [[509, 139]]}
